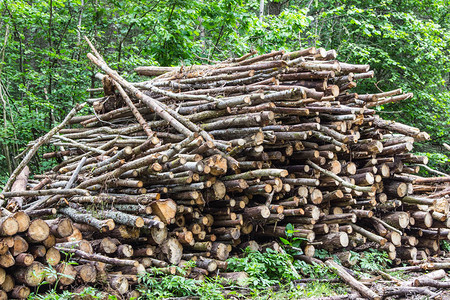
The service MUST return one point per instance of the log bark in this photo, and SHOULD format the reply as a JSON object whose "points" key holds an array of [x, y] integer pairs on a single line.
{"points": [[405, 291], [340, 180], [85, 218], [100, 258], [350, 280], [20, 184]]}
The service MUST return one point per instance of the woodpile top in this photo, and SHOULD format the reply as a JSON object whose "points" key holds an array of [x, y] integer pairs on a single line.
{"points": [[199, 162]]}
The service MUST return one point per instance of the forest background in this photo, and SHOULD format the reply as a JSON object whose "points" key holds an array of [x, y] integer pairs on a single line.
{"points": [[44, 70]]}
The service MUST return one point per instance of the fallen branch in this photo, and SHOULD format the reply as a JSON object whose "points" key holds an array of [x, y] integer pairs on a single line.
{"points": [[340, 180], [68, 192], [408, 291], [101, 258], [352, 281]]}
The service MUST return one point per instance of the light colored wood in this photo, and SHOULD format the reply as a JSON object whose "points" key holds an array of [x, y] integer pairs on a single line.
{"points": [[350, 280]]}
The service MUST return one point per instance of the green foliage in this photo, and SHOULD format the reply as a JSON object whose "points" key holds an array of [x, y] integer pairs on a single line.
{"points": [[309, 290], [322, 289], [292, 243], [407, 43], [322, 254], [153, 286], [436, 161], [50, 272], [314, 270], [372, 260], [445, 245], [402, 275], [87, 293], [264, 269]]}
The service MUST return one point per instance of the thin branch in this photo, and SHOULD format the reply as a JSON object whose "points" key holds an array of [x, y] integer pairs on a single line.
{"points": [[432, 170], [340, 180]]}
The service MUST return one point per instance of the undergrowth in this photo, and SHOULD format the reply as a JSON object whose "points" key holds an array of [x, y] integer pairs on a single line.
{"points": [[314, 270], [445, 245], [87, 293], [271, 275], [307, 290], [370, 261], [264, 268], [156, 285], [178, 286]]}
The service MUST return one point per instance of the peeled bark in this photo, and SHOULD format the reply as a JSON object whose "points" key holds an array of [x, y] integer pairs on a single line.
{"points": [[20, 184], [100, 258], [173, 250], [350, 280]]}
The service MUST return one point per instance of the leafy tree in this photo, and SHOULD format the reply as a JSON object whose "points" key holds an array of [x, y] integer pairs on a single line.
{"points": [[44, 69], [408, 45]]}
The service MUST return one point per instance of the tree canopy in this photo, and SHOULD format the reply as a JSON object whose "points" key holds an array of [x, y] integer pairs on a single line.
{"points": [[44, 69]]}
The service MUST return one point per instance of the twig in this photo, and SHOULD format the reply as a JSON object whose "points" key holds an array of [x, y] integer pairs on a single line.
{"points": [[431, 170], [350, 280], [446, 146], [55, 198], [340, 180], [80, 145], [150, 102], [101, 258], [31, 193]]}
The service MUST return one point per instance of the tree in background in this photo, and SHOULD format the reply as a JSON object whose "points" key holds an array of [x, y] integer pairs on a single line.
{"points": [[44, 70]]}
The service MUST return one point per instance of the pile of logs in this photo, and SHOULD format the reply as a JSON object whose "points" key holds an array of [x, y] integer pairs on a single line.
{"points": [[199, 162]]}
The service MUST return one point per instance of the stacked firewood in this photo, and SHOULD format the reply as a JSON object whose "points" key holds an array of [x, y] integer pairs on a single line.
{"points": [[28, 251], [200, 162]]}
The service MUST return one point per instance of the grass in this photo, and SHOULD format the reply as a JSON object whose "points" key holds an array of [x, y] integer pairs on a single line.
{"points": [[308, 290], [401, 275]]}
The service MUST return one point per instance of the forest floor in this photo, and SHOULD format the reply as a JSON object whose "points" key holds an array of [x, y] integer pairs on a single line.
{"points": [[266, 278]]}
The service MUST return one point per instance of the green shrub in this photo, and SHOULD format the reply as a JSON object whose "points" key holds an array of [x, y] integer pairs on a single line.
{"points": [[437, 161], [156, 287], [264, 269], [372, 260]]}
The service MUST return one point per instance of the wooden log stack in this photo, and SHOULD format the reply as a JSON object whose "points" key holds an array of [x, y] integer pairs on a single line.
{"points": [[202, 161]]}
